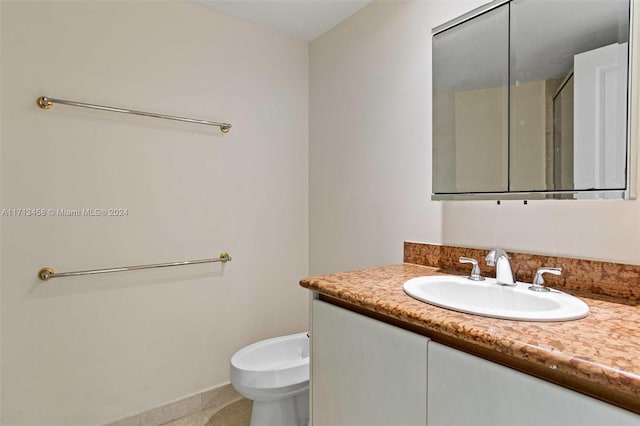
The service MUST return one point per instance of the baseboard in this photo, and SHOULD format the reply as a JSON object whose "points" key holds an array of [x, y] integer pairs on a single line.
{"points": [[220, 397]]}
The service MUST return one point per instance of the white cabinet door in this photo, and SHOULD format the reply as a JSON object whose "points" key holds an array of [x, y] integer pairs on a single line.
{"points": [[467, 390], [365, 372]]}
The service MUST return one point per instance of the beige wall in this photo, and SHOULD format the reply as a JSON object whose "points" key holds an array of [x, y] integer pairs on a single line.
{"points": [[370, 135], [87, 350], [481, 142], [444, 173], [527, 139], [481, 139]]}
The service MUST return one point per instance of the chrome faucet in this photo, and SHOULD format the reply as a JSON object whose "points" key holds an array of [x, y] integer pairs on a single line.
{"points": [[504, 273]]}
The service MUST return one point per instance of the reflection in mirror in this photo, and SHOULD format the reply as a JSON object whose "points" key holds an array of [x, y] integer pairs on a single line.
{"points": [[560, 144], [568, 95], [470, 105], [530, 100]]}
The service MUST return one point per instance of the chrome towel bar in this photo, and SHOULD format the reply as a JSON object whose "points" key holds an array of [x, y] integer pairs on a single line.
{"points": [[46, 274], [46, 102]]}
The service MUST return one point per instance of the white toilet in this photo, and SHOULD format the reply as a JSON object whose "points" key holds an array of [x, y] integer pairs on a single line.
{"points": [[274, 373]]}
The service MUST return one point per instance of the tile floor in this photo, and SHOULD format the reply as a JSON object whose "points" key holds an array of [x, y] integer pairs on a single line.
{"points": [[237, 413]]}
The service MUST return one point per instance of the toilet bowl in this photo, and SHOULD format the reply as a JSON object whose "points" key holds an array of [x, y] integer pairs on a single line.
{"points": [[274, 373]]}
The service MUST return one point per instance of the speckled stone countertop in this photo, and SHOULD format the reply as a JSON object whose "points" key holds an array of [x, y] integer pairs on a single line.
{"points": [[598, 355]]}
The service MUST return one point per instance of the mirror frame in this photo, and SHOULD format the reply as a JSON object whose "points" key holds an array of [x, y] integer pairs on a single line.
{"points": [[633, 123]]}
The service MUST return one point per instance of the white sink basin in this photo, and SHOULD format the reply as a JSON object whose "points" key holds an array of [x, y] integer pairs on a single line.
{"points": [[489, 299]]}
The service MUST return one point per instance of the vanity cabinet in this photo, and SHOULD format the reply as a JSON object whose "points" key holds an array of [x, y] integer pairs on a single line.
{"points": [[464, 389], [365, 372]]}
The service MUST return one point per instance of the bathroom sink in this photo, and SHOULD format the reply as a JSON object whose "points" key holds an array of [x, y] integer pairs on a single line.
{"points": [[486, 298]]}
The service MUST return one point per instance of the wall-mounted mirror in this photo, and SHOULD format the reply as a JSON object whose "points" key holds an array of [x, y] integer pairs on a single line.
{"points": [[530, 101]]}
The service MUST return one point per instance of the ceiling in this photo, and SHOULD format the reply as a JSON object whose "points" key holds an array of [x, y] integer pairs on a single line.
{"points": [[303, 19]]}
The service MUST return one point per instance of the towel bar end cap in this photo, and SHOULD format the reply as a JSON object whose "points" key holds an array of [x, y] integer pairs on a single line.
{"points": [[44, 102], [45, 274]]}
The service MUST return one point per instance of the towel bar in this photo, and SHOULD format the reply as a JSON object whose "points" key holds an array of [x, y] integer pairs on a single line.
{"points": [[46, 274]]}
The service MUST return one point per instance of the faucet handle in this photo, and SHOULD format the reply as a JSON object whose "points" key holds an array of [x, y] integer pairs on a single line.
{"points": [[538, 281], [475, 271]]}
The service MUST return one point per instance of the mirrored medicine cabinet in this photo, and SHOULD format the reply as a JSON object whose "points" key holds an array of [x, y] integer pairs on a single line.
{"points": [[531, 101]]}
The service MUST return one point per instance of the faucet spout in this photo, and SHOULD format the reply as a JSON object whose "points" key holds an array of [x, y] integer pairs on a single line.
{"points": [[504, 272]]}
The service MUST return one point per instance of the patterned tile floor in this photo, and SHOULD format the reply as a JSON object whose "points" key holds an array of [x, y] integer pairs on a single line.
{"points": [[235, 414]]}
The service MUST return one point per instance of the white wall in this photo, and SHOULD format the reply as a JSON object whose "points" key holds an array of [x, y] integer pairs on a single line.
{"points": [[87, 350], [370, 135], [370, 157]]}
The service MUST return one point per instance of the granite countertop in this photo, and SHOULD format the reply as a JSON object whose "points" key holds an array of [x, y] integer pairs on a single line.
{"points": [[598, 355]]}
